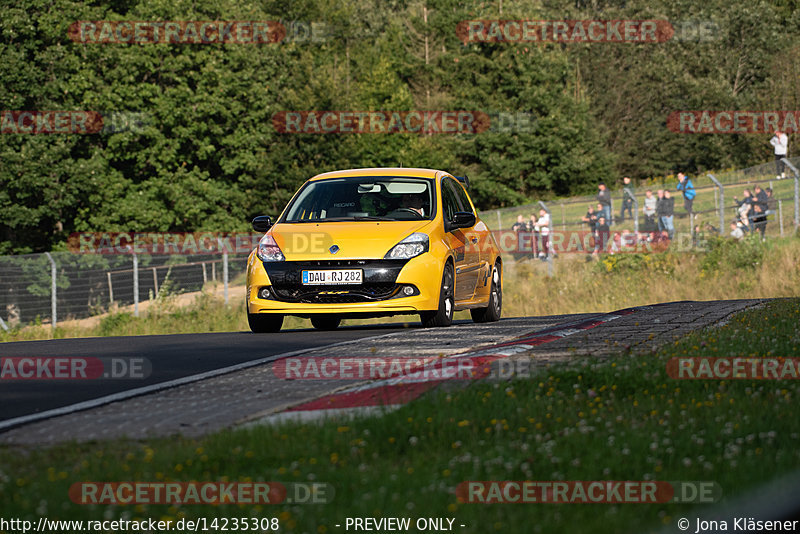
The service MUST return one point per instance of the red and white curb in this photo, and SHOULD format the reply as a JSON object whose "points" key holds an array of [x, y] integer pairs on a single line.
{"points": [[394, 392]]}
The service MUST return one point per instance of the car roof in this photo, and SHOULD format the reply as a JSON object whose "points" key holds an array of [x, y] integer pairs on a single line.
{"points": [[383, 171]]}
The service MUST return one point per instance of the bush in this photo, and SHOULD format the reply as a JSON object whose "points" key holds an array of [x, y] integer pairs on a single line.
{"points": [[726, 254]]}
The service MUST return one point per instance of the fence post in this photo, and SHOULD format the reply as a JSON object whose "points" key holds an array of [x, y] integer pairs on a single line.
{"points": [[549, 248], [563, 219], [53, 296], [135, 285], [224, 268], [796, 192], [3, 324], [110, 288], [780, 215], [721, 204], [155, 282], [628, 191], [225, 274], [499, 222]]}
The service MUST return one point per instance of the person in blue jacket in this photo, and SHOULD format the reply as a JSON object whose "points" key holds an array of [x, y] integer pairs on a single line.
{"points": [[685, 186]]}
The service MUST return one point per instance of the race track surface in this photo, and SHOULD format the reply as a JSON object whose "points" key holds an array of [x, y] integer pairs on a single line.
{"points": [[202, 383]]}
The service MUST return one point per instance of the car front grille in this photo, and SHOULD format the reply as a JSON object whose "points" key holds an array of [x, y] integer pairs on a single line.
{"points": [[336, 294]]}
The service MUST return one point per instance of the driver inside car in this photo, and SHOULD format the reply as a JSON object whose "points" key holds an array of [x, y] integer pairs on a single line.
{"points": [[415, 203]]}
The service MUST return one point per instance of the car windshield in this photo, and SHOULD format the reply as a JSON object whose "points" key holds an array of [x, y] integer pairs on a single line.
{"points": [[379, 198]]}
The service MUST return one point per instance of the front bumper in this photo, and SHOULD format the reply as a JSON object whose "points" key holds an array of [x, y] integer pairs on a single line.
{"points": [[381, 292]]}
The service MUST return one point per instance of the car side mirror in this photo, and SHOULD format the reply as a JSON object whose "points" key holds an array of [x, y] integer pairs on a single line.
{"points": [[262, 223], [462, 219]]}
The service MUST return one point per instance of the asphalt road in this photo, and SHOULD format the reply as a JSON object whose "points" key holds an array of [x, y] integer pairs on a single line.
{"points": [[193, 389], [171, 357]]}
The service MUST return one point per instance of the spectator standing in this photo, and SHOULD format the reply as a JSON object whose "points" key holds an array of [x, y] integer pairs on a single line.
{"points": [[543, 228], [604, 199], [744, 207], [660, 209], [772, 202], [591, 219], [603, 231], [649, 211], [760, 197], [759, 220], [536, 244], [668, 212], [519, 226], [627, 200], [780, 144], [521, 229], [685, 185]]}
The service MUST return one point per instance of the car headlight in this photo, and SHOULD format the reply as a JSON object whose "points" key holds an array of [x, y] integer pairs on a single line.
{"points": [[268, 250], [408, 248]]}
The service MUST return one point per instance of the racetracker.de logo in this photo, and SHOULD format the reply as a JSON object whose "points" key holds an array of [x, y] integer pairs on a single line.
{"points": [[381, 122], [176, 32], [564, 31], [733, 122], [50, 122], [733, 368]]}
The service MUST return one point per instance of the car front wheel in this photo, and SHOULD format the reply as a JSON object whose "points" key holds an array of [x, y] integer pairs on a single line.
{"points": [[444, 315]]}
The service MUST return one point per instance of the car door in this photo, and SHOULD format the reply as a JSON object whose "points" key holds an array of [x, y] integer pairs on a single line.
{"points": [[464, 241], [479, 239]]}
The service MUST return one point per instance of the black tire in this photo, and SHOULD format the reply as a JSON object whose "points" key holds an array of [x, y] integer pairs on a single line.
{"points": [[492, 312], [262, 323], [325, 322], [444, 315]]}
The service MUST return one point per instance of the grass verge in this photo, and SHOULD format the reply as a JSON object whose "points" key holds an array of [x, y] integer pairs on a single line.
{"points": [[620, 418]]}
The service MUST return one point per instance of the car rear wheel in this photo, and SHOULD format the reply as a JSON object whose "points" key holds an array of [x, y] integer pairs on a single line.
{"points": [[262, 323], [444, 315], [325, 322], [492, 312]]}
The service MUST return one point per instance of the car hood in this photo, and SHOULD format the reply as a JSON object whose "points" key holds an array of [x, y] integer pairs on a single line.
{"points": [[355, 240]]}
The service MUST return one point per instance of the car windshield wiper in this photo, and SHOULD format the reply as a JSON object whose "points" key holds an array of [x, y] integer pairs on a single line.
{"points": [[372, 218]]}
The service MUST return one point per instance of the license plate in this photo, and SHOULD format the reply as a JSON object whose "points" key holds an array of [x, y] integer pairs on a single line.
{"points": [[332, 277]]}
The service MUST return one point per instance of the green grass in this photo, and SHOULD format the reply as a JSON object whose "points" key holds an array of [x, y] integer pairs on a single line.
{"points": [[620, 418]]}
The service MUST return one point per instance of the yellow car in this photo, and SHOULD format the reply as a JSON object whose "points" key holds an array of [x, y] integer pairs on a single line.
{"points": [[372, 243]]}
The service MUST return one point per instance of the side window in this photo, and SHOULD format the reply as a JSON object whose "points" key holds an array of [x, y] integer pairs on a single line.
{"points": [[462, 198], [449, 200]]}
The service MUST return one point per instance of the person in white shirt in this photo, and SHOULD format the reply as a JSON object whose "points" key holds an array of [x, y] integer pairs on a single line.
{"points": [[649, 211], [736, 231], [780, 142], [543, 227]]}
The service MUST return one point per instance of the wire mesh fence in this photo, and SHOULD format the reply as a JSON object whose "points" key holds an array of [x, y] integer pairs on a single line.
{"points": [[711, 205], [88, 284]]}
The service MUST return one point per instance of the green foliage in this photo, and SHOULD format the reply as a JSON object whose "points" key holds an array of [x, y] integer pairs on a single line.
{"points": [[730, 255], [660, 263], [114, 322], [208, 157]]}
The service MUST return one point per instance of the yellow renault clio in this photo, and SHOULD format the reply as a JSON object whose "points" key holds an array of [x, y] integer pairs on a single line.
{"points": [[372, 243]]}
